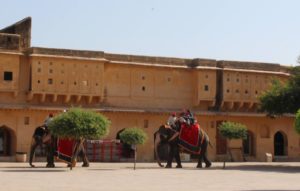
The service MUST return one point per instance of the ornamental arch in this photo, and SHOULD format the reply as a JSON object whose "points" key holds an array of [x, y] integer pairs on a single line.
{"points": [[249, 144], [280, 144], [7, 141]]}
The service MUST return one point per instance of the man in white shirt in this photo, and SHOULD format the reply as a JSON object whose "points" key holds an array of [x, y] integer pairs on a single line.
{"points": [[172, 119]]}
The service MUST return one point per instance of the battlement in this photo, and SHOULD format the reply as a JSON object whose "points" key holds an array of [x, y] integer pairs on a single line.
{"points": [[251, 66], [22, 29], [66, 52], [18, 37], [9, 41], [139, 59]]}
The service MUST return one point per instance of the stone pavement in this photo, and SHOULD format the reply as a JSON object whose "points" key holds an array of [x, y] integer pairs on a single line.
{"points": [[148, 176]]}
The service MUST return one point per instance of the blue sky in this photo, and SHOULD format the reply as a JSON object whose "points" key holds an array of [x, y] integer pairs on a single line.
{"points": [[252, 30]]}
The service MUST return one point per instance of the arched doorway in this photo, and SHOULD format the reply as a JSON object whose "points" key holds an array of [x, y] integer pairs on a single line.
{"points": [[280, 144], [221, 142], [248, 144], [7, 141]]}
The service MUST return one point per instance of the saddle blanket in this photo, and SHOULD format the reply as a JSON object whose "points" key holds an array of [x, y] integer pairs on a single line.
{"points": [[189, 138], [64, 150]]}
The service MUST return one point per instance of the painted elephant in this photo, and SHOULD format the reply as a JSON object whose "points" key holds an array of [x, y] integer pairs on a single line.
{"points": [[166, 134], [42, 137]]}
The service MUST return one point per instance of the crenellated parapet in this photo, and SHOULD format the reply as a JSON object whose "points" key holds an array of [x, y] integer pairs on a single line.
{"points": [[16, 36]]}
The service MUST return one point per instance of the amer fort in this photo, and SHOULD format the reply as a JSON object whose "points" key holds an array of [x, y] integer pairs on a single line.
{"points": [[137, 91]]}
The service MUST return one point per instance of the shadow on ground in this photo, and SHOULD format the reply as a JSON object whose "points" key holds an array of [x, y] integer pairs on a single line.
{"points": [[242, 167], [101, 169], [269, 190], [34, 170], [266, 168]]}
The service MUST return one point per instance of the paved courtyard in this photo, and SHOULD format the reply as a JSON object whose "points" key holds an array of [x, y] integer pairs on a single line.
{"points": [[148, 176]]}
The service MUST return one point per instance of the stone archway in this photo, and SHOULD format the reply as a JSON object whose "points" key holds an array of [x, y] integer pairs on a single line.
{"points": [[7, 141], [280, 144], [221, 142]]}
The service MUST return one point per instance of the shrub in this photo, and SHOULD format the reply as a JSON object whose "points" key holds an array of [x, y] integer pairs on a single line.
{"points": [[133, 136], [233, 130], [79, 123], [297, 122]]}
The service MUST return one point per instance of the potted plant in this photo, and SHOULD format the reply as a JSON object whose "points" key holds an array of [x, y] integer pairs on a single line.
{"points": [[133, 136], [234, 132]]}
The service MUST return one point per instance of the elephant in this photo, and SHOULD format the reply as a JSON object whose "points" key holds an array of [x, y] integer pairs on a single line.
{"points": [[170, 136], [41, 136]]}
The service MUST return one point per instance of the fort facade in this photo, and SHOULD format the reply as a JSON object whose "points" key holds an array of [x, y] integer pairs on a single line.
{"points": [[136, 91]]}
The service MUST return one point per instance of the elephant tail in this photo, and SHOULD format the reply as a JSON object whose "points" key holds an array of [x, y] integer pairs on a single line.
{"points": [[208, 141]]}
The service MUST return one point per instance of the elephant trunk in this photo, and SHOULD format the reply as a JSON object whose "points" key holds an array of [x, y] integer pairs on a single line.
{"points": [[32, 151], [156, 143]]}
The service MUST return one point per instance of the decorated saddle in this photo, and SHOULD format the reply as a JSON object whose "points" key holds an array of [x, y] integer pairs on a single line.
{"points": [[65, 150], [191, 138]]}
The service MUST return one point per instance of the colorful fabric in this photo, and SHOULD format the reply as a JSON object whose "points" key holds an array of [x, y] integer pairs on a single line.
{"points": [[189, 138], [65, 150]]}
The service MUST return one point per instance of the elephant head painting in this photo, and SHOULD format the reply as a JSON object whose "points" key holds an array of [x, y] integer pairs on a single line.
{"points": [[172, 137], [41, 137]]}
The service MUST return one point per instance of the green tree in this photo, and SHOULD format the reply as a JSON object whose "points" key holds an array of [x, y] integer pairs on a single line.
{"points": [[78, 124], [297, 122], [282, 98], [133, 136], [231, 130]]}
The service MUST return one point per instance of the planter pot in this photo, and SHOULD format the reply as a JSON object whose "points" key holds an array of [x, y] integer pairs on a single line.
{"points": [[235, 143], [21, 157]]}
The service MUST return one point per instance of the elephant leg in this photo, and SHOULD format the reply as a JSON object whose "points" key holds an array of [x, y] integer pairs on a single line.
{"points": [[85, 160], [174, 152], [50, 156], [199, 165], [171, 156], [207, 162], [177, 157], [201, 155], [33, 146]]}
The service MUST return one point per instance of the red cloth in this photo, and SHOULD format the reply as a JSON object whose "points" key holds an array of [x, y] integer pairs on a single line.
{"points": [[65, 149], [190, 134]]}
